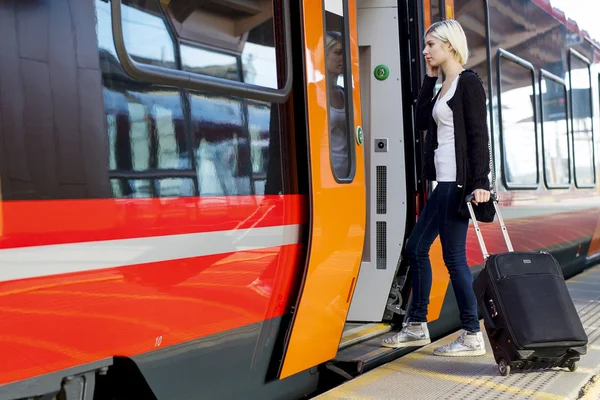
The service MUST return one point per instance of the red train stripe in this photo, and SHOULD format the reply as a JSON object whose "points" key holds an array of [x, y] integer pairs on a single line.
{"points": [[41, 222], [38, 261], [535, 232], [48, 324]]}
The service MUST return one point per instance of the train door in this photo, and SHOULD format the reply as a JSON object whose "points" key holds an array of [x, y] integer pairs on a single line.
{"points": [[337, 187], [381, 95]]}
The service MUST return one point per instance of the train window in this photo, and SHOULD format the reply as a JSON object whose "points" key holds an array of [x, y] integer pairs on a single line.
{"points": [[259, 115], [146, 36], [131, 188], [555, 131], [580, 88], [145, 124], [258, 59], [337, 64], [231, 144], [220, 145], [244, 33], [143, 129], [166, 142], [517, 121], [207, 62], [142, 188]]}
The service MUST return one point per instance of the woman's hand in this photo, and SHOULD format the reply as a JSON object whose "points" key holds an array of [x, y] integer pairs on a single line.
{"points": [[480, 196], [431, 70]]}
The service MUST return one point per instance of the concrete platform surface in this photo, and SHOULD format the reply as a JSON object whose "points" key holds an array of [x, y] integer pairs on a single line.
{"points": [[421, 375]]}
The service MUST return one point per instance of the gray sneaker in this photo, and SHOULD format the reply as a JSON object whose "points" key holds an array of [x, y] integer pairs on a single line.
{"points": [[412, 334], [467, 344]]}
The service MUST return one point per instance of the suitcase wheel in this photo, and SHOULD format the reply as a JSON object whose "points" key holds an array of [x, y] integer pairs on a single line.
{"points": [[573, 367], [503, 367]]}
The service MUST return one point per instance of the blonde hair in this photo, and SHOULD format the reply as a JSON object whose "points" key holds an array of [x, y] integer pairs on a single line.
{"points": [[450, 31], [332, 38]]}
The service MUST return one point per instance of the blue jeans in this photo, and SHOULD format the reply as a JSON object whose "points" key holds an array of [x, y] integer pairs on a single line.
{"points": [[440, 217]]}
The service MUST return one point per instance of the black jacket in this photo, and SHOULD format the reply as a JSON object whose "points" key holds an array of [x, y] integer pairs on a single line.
{"points": [[471, 140]]}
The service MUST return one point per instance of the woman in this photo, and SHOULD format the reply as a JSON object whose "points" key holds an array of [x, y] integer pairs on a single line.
{"points": [[457, 157]]}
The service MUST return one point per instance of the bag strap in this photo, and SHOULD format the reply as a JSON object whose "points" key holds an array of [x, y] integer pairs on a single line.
{"points": [[493, 188], [492, 169]]}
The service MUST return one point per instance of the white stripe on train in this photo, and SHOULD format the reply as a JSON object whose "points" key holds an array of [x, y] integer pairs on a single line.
{"points": [[38, 261]]}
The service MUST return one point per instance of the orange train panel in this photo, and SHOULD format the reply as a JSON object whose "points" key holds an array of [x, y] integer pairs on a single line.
{"points": [[427, 13], [440, 279], [449, 9], [595, 244], [338, 214]]}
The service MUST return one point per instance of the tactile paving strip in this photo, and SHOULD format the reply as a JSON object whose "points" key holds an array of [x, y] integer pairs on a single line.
{"points": [[423, 376]]}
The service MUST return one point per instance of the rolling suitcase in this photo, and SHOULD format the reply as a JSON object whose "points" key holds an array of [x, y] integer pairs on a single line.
{"points": [[528, 313]]}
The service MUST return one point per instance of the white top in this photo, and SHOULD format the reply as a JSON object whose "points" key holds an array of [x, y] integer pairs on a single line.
{"points": [[338, 142], [445, 158]]}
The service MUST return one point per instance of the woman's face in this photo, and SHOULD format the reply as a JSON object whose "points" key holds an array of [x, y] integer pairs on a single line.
{"points": [[335, 59], [436, 52]]}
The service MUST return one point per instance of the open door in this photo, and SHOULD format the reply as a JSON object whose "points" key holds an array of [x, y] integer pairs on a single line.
{"points": [[337, 189], [381, 89]]}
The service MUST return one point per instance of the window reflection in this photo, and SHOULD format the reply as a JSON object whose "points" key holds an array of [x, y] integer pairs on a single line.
{"points": [[259, 63], [174, 187], [259, 115], [210, 63], [132, 188], [143, 188], [230, 43], [144, 130], [580, 86], [145, 35], [555, 132], [166, 142], [518, 123], [340, 136], [219, 139]]}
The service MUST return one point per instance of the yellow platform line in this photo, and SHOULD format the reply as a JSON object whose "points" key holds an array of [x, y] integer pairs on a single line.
{"points": [[476, 382], [585, 370], [420, 355], [402, 364], [591, 391], [345, 391]]}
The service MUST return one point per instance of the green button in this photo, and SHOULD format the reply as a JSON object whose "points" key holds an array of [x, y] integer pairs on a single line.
{"points": [[360, 136], [382, 72]]}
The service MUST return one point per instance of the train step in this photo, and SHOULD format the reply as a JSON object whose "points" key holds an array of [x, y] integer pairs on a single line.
{"points": [[367, 354]]}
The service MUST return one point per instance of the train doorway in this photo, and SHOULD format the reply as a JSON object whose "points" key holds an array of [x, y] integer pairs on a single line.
{"points": [[374, 298]]}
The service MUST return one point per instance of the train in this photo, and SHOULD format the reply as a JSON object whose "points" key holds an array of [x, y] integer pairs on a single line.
{"points": [[210, 199]]}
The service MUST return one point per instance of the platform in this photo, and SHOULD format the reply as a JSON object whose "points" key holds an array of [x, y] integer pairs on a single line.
{"points": [[422, 376]]}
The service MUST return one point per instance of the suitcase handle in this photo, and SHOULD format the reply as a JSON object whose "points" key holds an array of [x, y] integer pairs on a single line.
{"points": [[469, 199]]}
